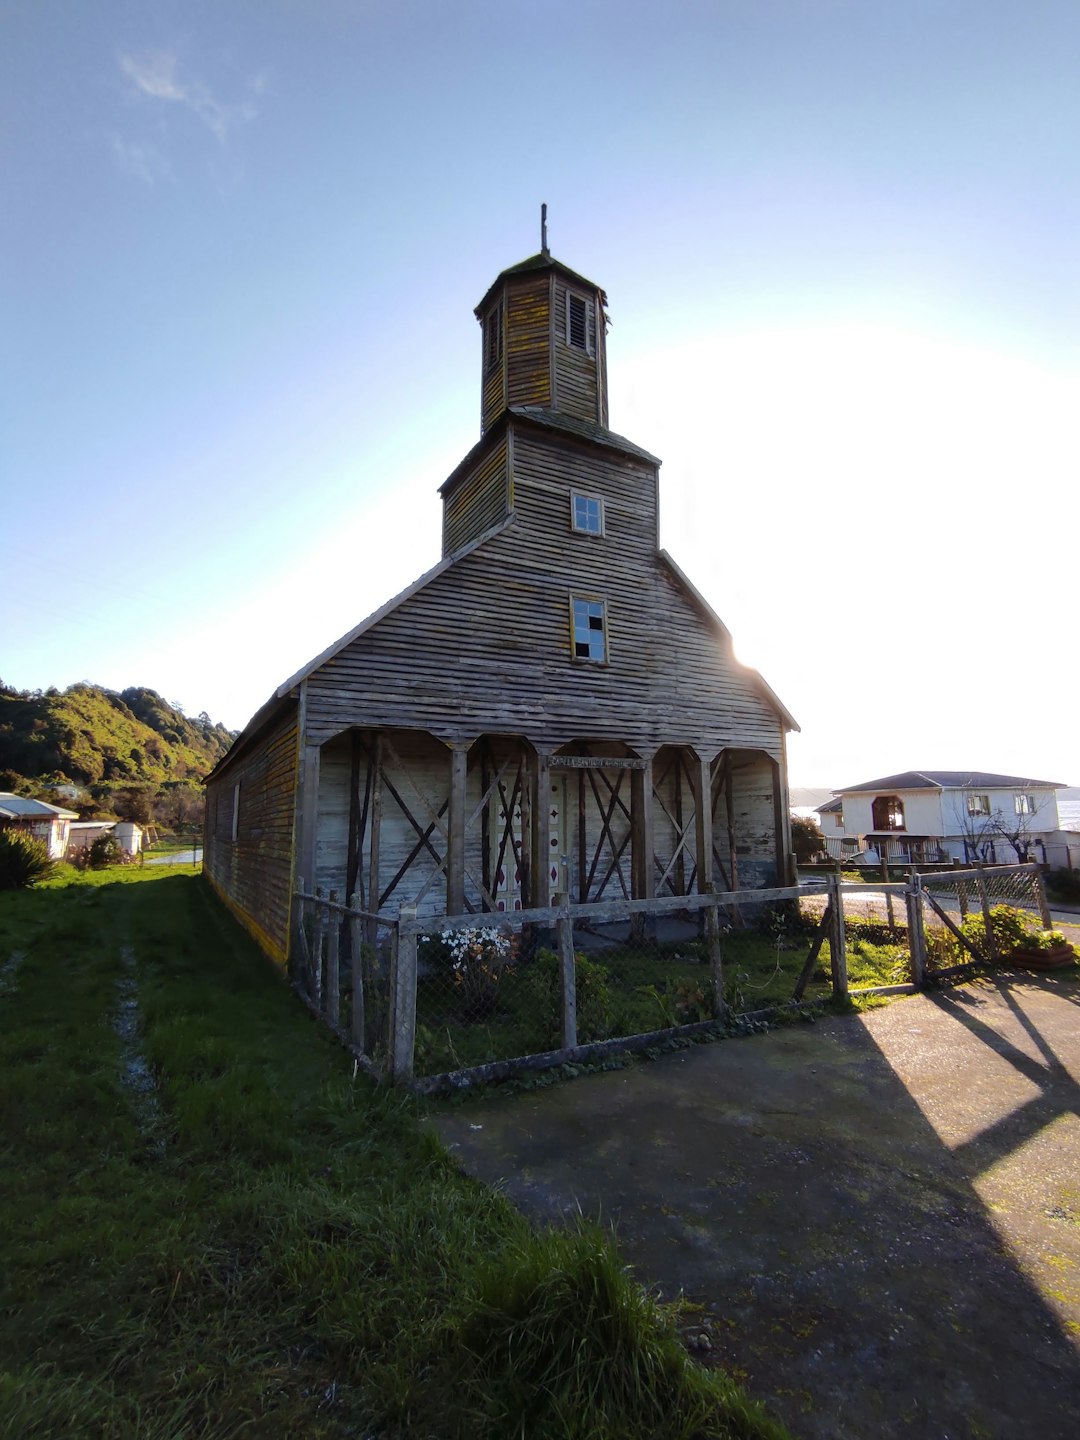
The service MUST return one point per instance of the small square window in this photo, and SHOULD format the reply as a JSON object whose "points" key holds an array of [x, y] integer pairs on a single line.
{"points": [[978, 804], [579, 323], [1025, 804], [587, 513], [590, 629]]}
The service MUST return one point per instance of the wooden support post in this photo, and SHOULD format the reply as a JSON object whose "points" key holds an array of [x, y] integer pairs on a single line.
{"points": [[988, 923], [1040, 898], [838, 940], [782, 827], [564, 927], [821, 934], [455, 831], [680, 861], [529, 856], [642, 871], [583, 844], [374, 891], [315, 991], [916, 936], [487, 877], [333, 970], [403, 998], [539, 892], [358, 1018], [307, 859], [703, 825], [716, 959]]}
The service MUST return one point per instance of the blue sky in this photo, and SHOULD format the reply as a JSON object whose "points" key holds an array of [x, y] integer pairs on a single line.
{"points": [[240, 246]]}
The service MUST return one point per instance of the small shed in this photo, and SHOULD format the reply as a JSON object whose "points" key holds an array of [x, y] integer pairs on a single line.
{"points": [[49, 823]]}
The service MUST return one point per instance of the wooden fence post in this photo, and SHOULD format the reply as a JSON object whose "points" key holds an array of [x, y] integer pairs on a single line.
{"points": [[333, 965], [838, 938], [988, 923], [357, 961], [403, 998], [916, 937], [1040, 896], [716, 959], [564, 929], [315, 990]]}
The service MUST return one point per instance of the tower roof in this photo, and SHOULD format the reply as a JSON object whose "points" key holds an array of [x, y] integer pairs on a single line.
{"points": [[543, 260]]}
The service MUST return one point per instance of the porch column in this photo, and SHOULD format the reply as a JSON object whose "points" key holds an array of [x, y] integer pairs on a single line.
{"points": [[643, 871], [307, 858], [781, 823], [539, 894], [455, 831], [703, 824]]}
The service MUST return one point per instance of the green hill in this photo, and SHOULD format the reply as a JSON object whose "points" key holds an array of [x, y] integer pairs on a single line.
{"points": [[87, 735]]}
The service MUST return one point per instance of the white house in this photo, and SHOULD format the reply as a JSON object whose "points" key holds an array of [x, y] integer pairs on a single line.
{"points": [[34, 817], [943, 815]]}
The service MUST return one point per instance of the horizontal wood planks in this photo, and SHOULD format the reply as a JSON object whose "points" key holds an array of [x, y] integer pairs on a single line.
{"points": [[478, 501], [528, 342], [253, 872], [485, 647], [577, 373]]}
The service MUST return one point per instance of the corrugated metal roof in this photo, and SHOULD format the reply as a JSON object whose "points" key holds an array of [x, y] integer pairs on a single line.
{"points": [[13, 807]]}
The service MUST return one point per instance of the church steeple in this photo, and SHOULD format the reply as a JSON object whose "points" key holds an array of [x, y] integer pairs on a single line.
{"points": [[543, 341]]}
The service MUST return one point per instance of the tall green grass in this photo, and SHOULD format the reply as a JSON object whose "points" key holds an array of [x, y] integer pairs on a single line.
{"points": [[273, 1247]]}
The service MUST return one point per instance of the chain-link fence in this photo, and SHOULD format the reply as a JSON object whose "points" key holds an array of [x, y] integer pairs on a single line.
{"points": [[480, 996]]}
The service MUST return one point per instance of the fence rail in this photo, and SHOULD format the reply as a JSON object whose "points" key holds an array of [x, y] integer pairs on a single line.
{"points": [[442, 1001]]}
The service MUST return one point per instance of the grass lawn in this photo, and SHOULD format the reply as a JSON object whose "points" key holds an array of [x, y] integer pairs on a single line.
{"points": [[211, 1228]]}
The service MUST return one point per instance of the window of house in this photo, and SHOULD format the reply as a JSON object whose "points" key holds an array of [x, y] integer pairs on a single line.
{"points": [[838, 819], [579, 323], [978, 804], [235, 812], [888, 813], [587, 513], [589, 627], [492, 339], [1025, 804]]}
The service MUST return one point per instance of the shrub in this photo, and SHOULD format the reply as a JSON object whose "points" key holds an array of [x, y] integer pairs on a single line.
{"points": [[1043, 940], [24, 860], [106, 850], [1010, 927], [594, 1015], [478, 959]]}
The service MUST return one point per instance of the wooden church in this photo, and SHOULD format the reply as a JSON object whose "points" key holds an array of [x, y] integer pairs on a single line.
{"points": [[552, 711]]}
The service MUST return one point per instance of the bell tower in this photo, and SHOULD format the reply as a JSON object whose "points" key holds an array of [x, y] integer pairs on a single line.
{"points": [[544, 341]]}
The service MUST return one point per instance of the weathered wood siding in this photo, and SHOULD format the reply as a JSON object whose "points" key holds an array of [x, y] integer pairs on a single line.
{"points": [[477, 501], [486, 646], [577, 374], [253, 872], [528, 342], [754, 825], [493, 379], [421, 769]]}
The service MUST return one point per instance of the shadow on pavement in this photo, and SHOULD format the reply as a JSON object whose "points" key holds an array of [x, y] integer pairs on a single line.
{"points": [[876, 1219]]}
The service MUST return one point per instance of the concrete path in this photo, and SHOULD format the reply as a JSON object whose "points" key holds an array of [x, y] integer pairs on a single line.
{"points": [[878, 1216]]}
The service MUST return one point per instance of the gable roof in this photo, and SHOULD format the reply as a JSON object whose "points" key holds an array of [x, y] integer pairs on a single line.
{"points": [[950, 780], [21, 807]]}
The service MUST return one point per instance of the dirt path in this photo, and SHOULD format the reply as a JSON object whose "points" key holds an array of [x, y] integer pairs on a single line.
{"points": [[879, 1216]]}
